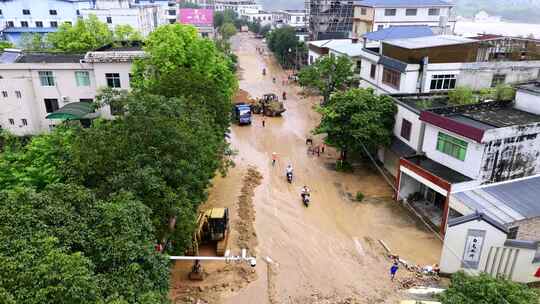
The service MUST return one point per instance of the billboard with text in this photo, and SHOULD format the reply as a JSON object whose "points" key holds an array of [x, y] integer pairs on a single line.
{"points": [[197, 17]]}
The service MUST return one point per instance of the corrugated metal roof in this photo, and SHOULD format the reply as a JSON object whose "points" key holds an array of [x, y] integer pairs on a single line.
{"points": [[404, 3], [431, 41], [477, 216], [9, 56], [16, 30], [507, 202], [50, 58], [400, 32]]}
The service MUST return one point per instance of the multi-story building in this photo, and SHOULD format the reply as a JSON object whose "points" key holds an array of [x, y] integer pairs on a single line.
{"points": [[329, 19], [294, 18], [262, 17], [169, 7], [373, 15], [35, 85], [241, 7]]}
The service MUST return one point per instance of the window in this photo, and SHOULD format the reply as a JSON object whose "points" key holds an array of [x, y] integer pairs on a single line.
{"points": [[24, 122], [452, 146], [411, 12], [172, 12], [1, 12], [26, 12], [406, 129], [391, 78], [11, 121], [390, 12], [113, 80], [372, 71], [4, 94], [78, 12], [53, 12], [18, 94], [512, 233], [358, 66], [46, 78], [11, 24], [54, 24], [380, 27], [434, 12], [363, 11], [39, 23], [24, 23], [109, 20], [82, 78], [51, 105], [498, 79], [443, 82], [172, 21], [89, 100]]}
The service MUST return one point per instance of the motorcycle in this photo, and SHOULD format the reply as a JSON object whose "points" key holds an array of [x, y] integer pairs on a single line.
{"points": [[289, 177], [306, 199], [264, 72]]}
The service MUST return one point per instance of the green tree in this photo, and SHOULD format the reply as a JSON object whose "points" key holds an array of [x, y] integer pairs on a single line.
{"points": [[32, 41], [85, 35], [461, 96], [227, 30], [265, 30], [126, 33], [254, 27], [355, 118], [505, 92], [179, 63], [327, 74], [188, 4], [484, 289], [5, 45], [226, 16], [283, 43]]}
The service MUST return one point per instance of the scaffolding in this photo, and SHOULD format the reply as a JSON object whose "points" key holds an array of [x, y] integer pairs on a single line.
{"points": [[329, 19]]}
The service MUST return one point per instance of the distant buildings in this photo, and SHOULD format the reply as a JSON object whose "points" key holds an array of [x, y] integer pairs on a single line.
{"points": [[36, 85], [241, 7]]}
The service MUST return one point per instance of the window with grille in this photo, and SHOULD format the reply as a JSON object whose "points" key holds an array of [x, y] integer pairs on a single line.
{"points": [[11, 121], [46, 78], [372, 71], [24, 23], [26, 12], [113, 80], [54, 24], [82, 78], [363, 11], [391, 78], [411, 12], [53, 12], [11, 24], [498, 79], [24, 122], [452, 146], [406, 127], [39, 23], [512, 233], [51, 104], [18, 94], [434, 12], [390, 12], [109, 20], [443, 82], [4, 94]]}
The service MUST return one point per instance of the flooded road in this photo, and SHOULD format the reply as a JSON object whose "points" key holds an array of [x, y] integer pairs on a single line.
{"points": [[329, 251]]}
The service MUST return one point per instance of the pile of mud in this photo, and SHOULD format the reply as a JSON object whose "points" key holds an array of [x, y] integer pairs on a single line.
{"points": [[243, 97], [247, 236]]}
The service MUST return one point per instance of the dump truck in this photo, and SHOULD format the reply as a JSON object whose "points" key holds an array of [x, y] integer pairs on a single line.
{"points": [[212, 228], [269, 105], [242, 114]]}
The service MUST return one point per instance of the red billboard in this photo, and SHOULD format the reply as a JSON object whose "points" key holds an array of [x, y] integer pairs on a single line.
{"points": [[196, 17]]}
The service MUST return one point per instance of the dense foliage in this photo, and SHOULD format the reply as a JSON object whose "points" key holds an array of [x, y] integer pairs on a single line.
{"points": [[357, 117], [327, 74], [5, 45], [484, 289], [285, 45], [81, 209], [461, 96], [194, 69]]}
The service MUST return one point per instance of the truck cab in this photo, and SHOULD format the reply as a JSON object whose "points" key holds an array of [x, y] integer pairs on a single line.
{"points": [[242, 114]]}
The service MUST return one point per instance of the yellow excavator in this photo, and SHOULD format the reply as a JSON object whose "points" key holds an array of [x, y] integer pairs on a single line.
{"points": [[212, 227]]}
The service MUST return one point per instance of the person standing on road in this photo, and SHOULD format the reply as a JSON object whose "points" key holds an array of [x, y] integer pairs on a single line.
{"points": [[263, 122], [393, 270], [274, 158]]}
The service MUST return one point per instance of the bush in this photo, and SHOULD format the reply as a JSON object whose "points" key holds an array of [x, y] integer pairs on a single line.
{"points": [[359, 196], [505, 92], [461, 96], [343, 166]]}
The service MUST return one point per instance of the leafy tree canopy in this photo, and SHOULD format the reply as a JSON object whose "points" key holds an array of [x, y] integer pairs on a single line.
{"points": [[182, 64], [226, 16], [355, 117], [327, 74], [283, 43], [461, 96], [85, 35], [5, 45], [484, 289], [126, 32], [33, 41], [227, 30]]}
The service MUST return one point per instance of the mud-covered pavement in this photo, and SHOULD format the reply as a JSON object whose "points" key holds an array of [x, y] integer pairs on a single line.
{"points": [[329, 252]]}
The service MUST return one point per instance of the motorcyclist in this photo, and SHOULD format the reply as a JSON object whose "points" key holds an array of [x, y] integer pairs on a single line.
{"points": [[304, 192], [289, 169]]}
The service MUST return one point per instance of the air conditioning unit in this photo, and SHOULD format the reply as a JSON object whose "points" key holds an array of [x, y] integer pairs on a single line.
{"points": [[65, 98]]}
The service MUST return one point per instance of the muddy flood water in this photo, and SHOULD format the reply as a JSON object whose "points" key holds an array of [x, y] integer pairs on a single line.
{"points": [[327, 253]]}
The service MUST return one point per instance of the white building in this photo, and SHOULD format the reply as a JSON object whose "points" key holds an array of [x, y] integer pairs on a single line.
{"points": [[34, 85], [372, 15], [294, 18], [262, 17], [241, 7], [169, 7], [143, 18]]}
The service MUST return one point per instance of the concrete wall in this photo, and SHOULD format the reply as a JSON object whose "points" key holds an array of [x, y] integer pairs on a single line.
{"points": [[454, 245], [416, 138], [510, 153], [144, 19], [18, 109], [478, 75], [422, 16], [469, 167], [528, 229], [527, 101]]}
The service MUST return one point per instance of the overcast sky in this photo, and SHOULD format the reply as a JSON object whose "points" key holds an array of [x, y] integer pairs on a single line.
{"points": [[282, 4]]}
